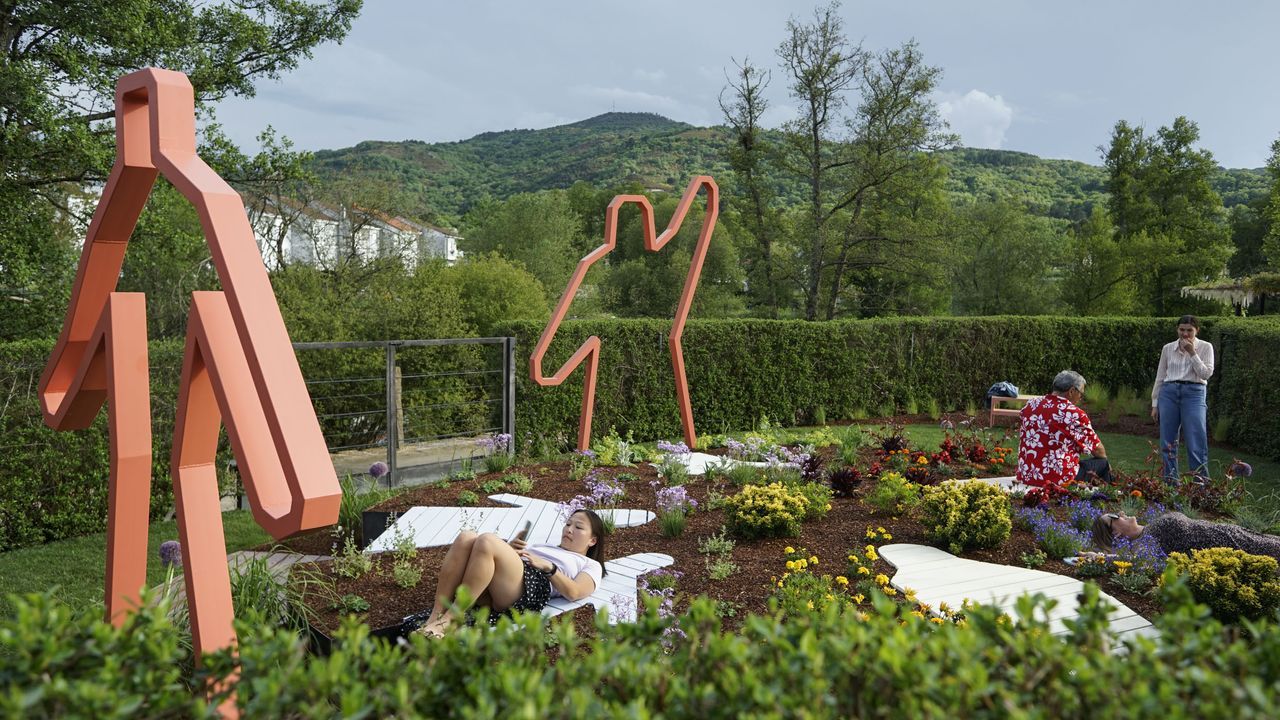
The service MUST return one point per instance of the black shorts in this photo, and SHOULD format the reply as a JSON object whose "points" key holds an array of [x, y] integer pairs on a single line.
{"points": [[535, 592]]}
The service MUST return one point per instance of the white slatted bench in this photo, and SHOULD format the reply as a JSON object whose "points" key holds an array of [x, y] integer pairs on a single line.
{"points": [[436, 526], [617, 592], [937, 576]]}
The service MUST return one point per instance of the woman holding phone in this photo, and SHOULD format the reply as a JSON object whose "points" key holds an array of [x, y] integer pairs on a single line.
{"points": [[514, 576]]}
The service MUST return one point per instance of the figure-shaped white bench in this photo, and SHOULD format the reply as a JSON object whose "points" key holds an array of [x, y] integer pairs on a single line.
{"points": [[436, 526], [937, 576]]}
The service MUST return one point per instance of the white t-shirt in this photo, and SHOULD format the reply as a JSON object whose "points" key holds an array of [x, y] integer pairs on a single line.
{"points": [[569, 562]]}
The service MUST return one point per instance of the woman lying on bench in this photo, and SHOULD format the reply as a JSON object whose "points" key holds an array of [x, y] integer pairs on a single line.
{"points": [[509, 577], [1176, 532]]}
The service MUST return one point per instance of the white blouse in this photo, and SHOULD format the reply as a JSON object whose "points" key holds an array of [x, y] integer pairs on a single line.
{"points": [[569, 562], [1179, 366]]}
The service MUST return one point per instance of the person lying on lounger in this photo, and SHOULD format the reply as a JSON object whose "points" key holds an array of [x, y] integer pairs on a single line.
{"points": [[511, 576], [1178, 533]]}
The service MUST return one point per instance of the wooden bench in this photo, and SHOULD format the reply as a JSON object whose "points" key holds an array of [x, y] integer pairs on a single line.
{"points": [[618, 591], [1008, 406]]}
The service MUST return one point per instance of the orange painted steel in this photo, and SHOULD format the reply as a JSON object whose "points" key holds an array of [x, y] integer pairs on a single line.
{"points": [[239, 368], [590, 348]]}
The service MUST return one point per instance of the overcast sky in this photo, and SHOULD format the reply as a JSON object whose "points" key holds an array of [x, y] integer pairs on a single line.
{"points": [[1049, 79]]}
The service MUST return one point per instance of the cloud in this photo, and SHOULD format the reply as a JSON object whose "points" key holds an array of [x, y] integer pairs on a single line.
{"points": [[650, 76], [981, 119], [629, 100]]}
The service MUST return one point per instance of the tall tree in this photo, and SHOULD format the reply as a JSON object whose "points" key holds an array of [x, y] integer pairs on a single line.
{"points": [[59, 62], [1006, 256], [537, 230], [1271, 211], [1096, 270], [821, 65], [742, 103], [1164, 207]]}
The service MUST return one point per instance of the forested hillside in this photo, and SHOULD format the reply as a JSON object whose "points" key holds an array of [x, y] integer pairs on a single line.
{"points": [[447, 179]]}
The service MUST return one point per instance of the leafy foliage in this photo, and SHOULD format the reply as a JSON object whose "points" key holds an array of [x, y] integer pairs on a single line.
{"points": [[966, 515], [1233, 583]]}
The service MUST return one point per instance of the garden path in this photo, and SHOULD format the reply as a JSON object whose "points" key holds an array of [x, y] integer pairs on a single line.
{"points": [[939, 577]]}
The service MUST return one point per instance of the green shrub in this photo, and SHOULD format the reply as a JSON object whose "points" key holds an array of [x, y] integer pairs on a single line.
{"points": [[518, 482], [58, 663], [1034, 559], [760, 511], [1234, 584], [966, 515], [893, 494], [492, 485], [1061, 541], [612, 449], [818, 498], [743, 475], [466, 497]]}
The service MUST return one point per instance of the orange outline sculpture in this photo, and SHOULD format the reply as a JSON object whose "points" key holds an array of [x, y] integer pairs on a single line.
{"points": [[590, 349], [239, 368]]}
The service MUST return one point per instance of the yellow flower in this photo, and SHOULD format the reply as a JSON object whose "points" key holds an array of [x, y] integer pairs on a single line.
{"points": [[909, 594], [887, 536], [922, 461], [791, 564], [828, 507], [779, 583], [880, 530], [889, 591], [859, 598], [853, 558], [813, 559], [810, 604], [830, 597], [871, 534], [864, 571], [863, 617], [789, 550], [882, 579], [936, 620], [918, 614], [842, 580]]}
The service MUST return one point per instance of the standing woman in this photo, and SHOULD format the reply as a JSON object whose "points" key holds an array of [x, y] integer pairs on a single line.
{"points": [[1178, 398]]}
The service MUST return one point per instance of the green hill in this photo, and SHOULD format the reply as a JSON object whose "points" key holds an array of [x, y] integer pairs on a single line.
{"points": [[655, 152]]}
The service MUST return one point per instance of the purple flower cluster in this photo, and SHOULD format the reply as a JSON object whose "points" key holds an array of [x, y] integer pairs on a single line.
{"points": [[674, 499], [601, 492], [678, 448], [1054, 536], [496, 443], [1239, 468], [378, 470], [666, 594], [1144, 552], [171, 554], [1081, 514], [752, 449]]}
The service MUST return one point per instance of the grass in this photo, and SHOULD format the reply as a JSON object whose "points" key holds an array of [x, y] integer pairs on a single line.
{"points": [[75, 569]]}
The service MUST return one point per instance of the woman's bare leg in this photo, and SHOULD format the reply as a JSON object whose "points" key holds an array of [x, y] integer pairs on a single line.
{"points": [[451, 570]]}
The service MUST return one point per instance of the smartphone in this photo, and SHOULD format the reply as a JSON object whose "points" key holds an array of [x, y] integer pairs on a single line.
{"points": [[524, 534]]}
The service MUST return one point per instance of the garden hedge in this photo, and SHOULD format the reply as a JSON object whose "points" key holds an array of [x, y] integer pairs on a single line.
{"points": [[55, 484], [795, 372], [53, 664]]}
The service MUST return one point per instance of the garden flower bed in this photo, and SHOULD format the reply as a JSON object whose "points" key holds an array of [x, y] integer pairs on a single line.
{"points": [[743, 580]]}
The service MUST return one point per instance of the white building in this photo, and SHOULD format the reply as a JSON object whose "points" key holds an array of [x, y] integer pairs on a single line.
{"points": [[317, 234]]}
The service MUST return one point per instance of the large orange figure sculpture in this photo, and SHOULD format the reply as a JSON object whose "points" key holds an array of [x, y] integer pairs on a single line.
{"points": [[590, 349], [239, 368]]}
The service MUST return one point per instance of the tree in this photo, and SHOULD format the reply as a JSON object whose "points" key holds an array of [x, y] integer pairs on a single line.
{"points": [[1097, 277], [1165, 209], [753, 201], [1005, 263], [494, 289], [538, 230], [59, 63], [1271, 211], [821, 65]]}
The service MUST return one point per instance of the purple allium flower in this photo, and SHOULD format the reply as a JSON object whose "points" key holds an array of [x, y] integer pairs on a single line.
{"points": [[678, 448], [675, 499], [170, 554], [1239, 468], [378, 469], [497, 443]]}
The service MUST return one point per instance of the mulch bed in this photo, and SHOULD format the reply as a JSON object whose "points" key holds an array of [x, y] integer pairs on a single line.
{"points": [[759, 562]]}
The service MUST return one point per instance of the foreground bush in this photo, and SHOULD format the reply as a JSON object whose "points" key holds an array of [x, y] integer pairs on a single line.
{"points": [[811, 665], [1233, 583], [966, 515]]}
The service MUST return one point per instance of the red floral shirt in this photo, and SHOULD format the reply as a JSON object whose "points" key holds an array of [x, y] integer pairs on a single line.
{"points": [[1054, 434]]}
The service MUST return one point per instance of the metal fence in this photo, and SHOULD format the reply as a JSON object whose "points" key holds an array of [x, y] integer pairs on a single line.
{"points": [[416, 405]]}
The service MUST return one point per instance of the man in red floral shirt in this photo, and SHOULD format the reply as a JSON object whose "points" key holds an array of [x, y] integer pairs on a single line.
{"points": [[1055, 432]]}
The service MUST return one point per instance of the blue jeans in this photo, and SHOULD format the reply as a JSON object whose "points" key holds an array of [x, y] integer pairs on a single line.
{"points": [[1182, 407]]}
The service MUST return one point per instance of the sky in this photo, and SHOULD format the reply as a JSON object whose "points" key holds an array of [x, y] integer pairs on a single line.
{"points": [[1046, 78]]}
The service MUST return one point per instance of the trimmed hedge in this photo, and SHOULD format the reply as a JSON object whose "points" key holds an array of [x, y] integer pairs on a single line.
{"points": [[739, 370], [818, 666]]}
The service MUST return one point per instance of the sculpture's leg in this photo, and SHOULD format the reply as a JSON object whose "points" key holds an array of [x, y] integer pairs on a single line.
{"points": [[123, 334], [195, 489], [588, 397]]}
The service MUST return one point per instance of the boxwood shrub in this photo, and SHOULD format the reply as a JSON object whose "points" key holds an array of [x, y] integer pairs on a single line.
{"points": [[820, 665]]}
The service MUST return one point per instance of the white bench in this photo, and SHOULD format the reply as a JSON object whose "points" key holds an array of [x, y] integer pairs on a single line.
{"points": [[436, 526], [617, 592]]}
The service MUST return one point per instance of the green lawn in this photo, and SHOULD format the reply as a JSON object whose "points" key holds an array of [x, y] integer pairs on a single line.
{"points": [[76, 568]]}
